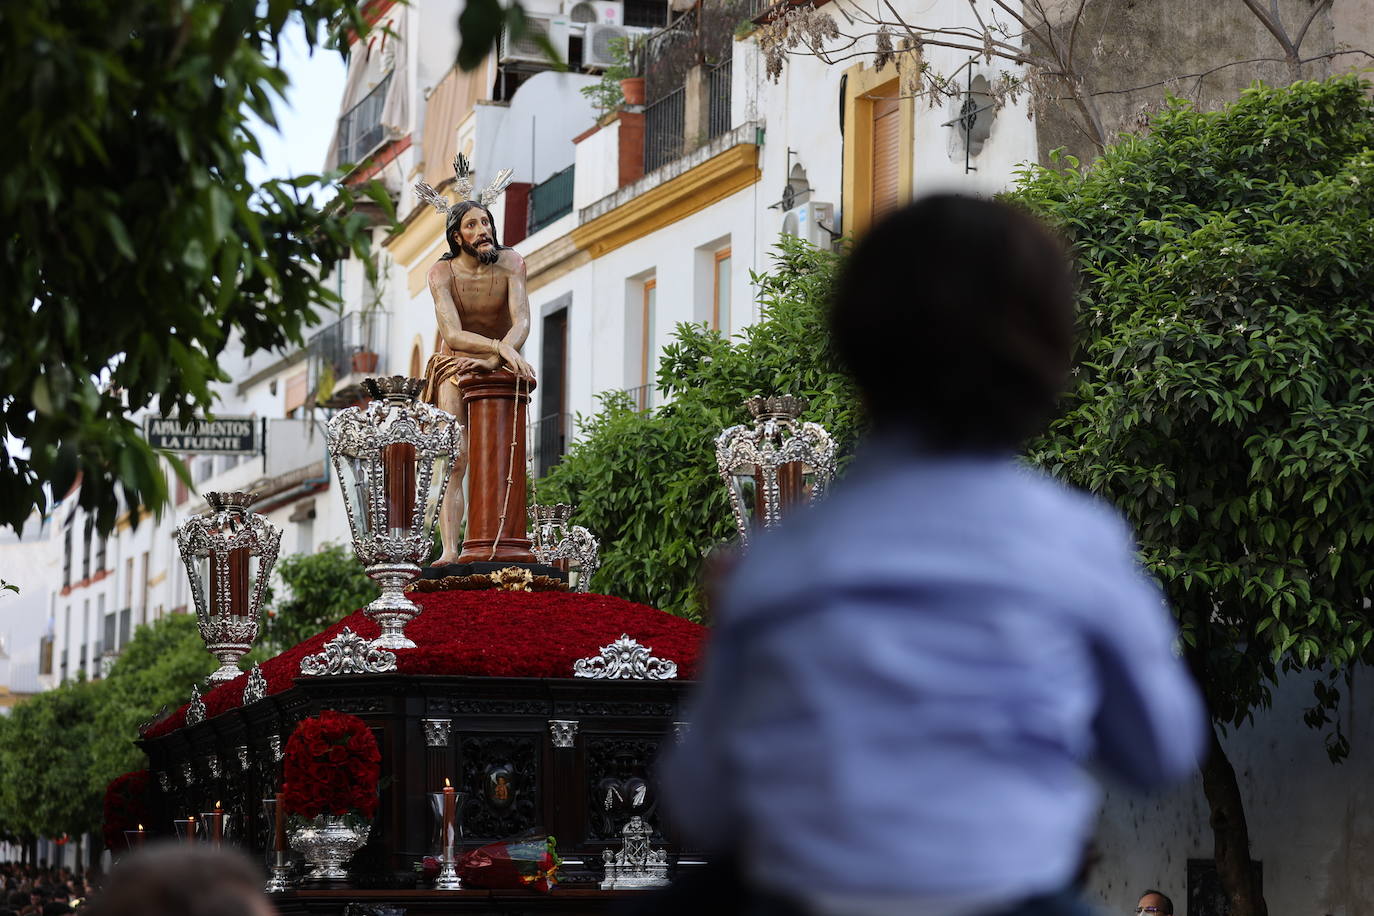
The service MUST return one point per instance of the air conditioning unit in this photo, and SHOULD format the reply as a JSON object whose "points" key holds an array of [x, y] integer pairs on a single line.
{"points": [[526, 48], [812, 221], [594, 12], [596, 45]]}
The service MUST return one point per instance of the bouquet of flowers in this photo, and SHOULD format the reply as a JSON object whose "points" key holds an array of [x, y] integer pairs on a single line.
{"points": [[530, 861], [126, 807], [331, 767]]}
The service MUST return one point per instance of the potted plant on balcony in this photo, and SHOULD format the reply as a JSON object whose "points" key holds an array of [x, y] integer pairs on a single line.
{"points": [[364, 360], [618, 86]]}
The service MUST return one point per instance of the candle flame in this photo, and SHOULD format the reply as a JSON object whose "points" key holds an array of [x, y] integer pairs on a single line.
{"points": [[190, 817], [140, 827], [217, 806], [447, 784]]}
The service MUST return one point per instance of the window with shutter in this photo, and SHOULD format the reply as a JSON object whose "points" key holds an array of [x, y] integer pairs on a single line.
{"points": [[886, 121]]}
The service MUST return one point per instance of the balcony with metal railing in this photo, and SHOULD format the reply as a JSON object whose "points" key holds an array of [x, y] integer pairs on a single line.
{"points": [[718, 99], [360, 129], [344, 353], [642, 397], [664, 129], [551, 199], [547, 441]]}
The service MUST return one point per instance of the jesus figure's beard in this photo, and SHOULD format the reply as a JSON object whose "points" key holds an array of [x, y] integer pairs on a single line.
{"points": [[487, 254]]}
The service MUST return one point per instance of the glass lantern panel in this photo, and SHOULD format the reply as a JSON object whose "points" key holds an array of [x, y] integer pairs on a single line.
{"points": [[254, 569], [749, 494], [354, 486], [200, 584], [438, 471]]}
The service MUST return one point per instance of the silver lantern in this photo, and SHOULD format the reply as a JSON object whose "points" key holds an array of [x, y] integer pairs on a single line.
{"points": [[775, 464], [571, 548], [229, 554], [388, 457]]}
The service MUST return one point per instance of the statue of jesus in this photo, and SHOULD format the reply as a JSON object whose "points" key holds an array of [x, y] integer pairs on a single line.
{"points": [[483, 314]]}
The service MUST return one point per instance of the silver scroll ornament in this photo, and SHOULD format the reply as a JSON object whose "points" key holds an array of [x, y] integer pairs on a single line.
{"points": [[750, 458], [625, 659], [256, 688], [552, 539], [195, 710], [635, 864], [228, 553], [387, 456], [348, 653]]}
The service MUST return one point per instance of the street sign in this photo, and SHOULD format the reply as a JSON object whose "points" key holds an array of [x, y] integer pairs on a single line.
{"points": [[221, 436]]}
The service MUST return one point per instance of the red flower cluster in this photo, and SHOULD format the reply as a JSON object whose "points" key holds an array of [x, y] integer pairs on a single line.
{"points": [[331, 766], [126, 806], [490, 634]]}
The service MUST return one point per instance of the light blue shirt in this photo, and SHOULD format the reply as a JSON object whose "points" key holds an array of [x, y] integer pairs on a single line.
{"points": [[907, 682]]}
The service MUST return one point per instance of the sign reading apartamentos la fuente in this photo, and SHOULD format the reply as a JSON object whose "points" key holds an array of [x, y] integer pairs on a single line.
{"points": [[222, 436]]}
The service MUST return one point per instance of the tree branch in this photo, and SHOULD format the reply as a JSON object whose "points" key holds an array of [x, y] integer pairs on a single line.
{"points": [[1274, 26], [1302, 32]]}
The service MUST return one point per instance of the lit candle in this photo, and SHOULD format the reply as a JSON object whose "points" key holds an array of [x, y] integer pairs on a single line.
{"points": [[217, 826], [138, 836], [450, 803], [279, 837], [190, 828]]}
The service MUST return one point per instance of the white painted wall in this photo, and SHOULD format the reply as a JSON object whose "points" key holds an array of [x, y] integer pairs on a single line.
{"points": [[1310, 822], [535, 136]]}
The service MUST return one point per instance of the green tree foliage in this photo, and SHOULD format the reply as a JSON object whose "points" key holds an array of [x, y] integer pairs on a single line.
{"points": [[155, 670], [46, 758], [1223, 399], [323, 587], [646, 483], [134, 243]]}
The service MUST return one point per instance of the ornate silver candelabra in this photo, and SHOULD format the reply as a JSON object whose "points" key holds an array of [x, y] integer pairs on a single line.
{"points": [[552, 540], [229, 554], [388, 456], [774, 464]]}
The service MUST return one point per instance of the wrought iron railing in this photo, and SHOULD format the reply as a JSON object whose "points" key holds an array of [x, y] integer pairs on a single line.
{"points": [[718, 99], [360, 129], [642, 397], [664, 123], [551, 199], [548, 440], [355, 343]]}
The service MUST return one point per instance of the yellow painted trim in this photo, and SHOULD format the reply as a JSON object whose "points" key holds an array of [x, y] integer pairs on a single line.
{"points": [[561, 269], [857, 186], [694, 190], [158, 579], [417, 278], [417, 237]]}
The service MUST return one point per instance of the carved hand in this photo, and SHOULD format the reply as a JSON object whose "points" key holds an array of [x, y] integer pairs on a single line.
{"points": [[512, 358]]}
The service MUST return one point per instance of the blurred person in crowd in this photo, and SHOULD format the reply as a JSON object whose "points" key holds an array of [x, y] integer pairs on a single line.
{"points": [[907, 682], [173, 879], [55, 908], [1154, 903]]}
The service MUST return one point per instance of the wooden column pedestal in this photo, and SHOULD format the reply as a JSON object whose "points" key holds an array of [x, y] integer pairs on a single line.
{"points": [[495, 413]]}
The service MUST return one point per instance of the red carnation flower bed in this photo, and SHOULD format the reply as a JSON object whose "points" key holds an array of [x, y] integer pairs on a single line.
{"points": [[126, 807], [489, 634]]}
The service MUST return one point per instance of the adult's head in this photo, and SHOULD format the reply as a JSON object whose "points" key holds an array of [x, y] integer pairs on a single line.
{"points": [[471, 230], [1154, 903], [955, 317], [174, 879]]}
